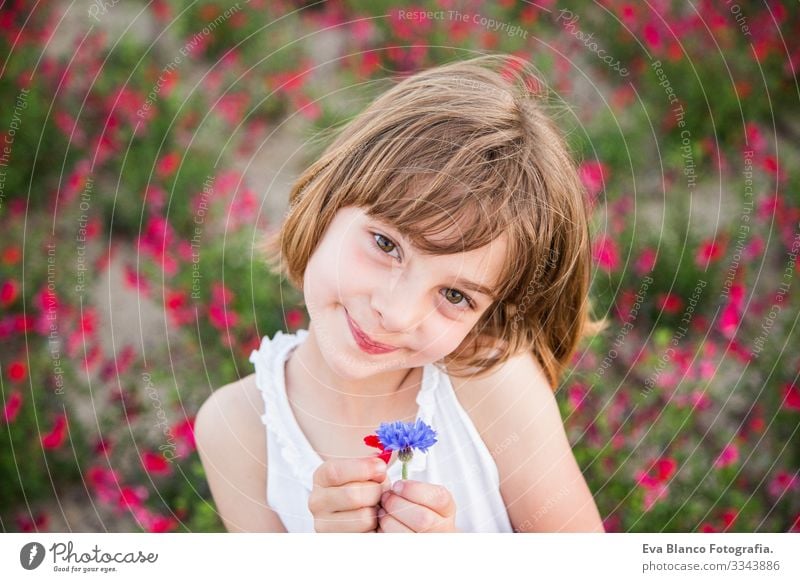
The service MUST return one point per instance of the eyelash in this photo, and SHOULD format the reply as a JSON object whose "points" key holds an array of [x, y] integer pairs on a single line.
{"points": [[470, 302]]}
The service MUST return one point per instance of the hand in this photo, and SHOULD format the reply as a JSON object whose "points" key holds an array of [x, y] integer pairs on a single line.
{"points": [[346, 494], [416, 506]]}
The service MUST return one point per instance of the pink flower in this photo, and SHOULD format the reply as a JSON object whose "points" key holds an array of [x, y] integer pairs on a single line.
{"points": [[104, 483], [791, 397], [728, 456], [9, 292], [669, 302], [28, 525], [131, 497], [729, 320], [576, 394], [12, 406], [167, 165], [660, 472], [294, 318], [221, 317], [155, 464], [729, 517], [782, 483], [11, 255], [221, 294], [605, 253], [652, 37], [161, 523], [17, 371], [593, 174], [184, 433], [56, 437], [654, 494], [709, 251], [646, 261]]}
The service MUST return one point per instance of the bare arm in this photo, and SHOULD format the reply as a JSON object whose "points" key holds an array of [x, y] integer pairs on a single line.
{"points": [[516, 413], [231, 442]]}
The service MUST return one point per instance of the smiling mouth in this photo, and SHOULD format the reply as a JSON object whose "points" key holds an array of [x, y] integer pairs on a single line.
{"points": [[364, 341]]}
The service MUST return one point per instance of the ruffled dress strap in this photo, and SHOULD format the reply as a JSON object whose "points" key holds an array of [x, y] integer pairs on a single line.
{"points": [[426, 403], [295, 449], [269, 361]]}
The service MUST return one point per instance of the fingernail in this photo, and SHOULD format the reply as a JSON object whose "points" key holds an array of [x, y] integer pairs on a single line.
{"points": [[398, 487]]}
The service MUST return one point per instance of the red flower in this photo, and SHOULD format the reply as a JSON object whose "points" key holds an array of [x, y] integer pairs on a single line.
{"points": [[56, 437], [155, 464], [294, 318], [9, 292], [646, 261], [669, 302], [791, 397], [594, 175], [184, 432], [11, 255], [604, 251], [17, 371], [220, 294], [708, 251], [167, 165], [728, 456], [373, 441], [729, 517], [12, 407], [131, 497], [161, 524], [27, 524], [222, 318]]}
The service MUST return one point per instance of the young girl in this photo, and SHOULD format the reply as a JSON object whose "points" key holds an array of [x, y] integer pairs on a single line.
{"points": [[442, 246]]}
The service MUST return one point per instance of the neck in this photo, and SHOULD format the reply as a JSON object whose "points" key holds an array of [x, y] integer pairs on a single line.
{"points": [[358, 395]]}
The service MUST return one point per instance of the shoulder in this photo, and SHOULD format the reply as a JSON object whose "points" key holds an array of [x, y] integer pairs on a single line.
{"points": [[516, 413], [231, 443]]}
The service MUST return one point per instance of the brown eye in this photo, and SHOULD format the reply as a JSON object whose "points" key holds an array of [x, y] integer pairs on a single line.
{"points": [[458, 296], [379, 238]]}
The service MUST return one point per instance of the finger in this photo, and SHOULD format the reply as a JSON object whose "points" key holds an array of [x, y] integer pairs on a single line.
{"points": [[341, 471], [416, 517], [354, 521], [388, 524], [386, 485], [346, 497], [436, 497]]}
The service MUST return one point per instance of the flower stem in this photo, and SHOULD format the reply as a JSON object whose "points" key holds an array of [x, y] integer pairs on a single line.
{"points": [[405, 471]]}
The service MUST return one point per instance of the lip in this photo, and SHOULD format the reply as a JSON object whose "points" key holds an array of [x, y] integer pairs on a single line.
{"points": [[364, 342]]}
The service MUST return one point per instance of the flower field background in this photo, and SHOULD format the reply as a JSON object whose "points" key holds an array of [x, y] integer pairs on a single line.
{"points": [[146, 146]]}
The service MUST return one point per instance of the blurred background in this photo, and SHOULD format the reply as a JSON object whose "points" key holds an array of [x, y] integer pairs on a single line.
{"points": [[146, 146]]}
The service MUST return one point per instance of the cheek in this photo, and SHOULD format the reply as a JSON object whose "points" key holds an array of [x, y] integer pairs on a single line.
{"points": [[445, 338], [337, 271]]}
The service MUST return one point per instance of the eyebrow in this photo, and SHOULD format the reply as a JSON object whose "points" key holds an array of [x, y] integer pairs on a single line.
{"points": [[460, 282], [474, 287]]}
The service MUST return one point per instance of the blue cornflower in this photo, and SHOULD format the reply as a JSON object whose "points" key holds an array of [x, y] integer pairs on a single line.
{"points": [[404, 437]]}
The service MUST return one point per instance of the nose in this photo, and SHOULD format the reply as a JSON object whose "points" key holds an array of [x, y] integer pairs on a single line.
{"points": [[399, 304]]}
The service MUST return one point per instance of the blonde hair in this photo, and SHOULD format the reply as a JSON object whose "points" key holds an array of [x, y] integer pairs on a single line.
{"points": [[467, 143]]}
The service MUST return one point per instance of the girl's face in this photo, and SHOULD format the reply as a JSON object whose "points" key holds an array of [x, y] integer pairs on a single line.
{"points": [[367, 273]]}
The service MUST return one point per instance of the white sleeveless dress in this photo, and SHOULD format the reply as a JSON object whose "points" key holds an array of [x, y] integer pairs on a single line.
{"points": [[459, 460]]}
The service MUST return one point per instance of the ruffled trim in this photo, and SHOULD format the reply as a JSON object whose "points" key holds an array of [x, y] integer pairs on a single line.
{"points": [[297, 452], [269, 361]]}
